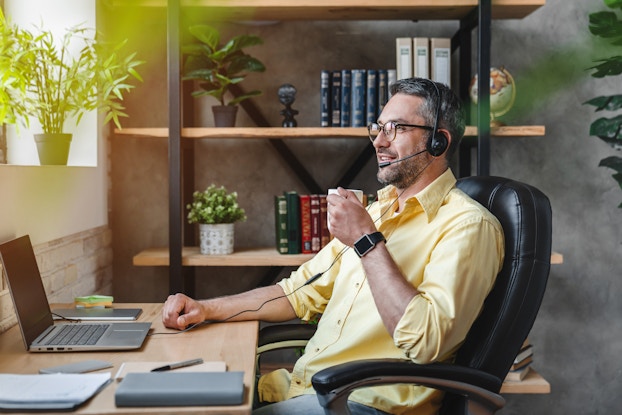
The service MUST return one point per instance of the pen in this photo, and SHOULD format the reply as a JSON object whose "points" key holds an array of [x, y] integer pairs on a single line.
{"points": [[178, 365]]}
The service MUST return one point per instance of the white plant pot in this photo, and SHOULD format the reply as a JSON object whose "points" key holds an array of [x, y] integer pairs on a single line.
{"points": [[216, 239]]}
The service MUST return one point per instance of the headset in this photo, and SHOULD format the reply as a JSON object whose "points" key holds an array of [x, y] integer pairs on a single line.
{"points": [[437, 143]]}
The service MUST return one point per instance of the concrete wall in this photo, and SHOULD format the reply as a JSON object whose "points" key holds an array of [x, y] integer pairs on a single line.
{"points": [[576, 336]]}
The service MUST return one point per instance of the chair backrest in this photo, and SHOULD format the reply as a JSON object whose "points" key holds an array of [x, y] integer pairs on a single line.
{"points": [[511, 307]]}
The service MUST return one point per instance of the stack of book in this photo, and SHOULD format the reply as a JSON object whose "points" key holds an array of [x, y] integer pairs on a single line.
{"points": [[301, 224], [522, 363], [353, 97], [300, 221]]}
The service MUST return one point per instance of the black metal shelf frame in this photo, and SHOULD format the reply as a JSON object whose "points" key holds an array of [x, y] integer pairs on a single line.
{"points": [[181, 279]]}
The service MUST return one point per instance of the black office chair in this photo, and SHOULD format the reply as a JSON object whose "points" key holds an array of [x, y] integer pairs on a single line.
{"points": [[473, 382]]}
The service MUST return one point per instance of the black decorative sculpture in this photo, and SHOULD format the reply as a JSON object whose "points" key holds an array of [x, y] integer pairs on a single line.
{"points": [[287, 96]]}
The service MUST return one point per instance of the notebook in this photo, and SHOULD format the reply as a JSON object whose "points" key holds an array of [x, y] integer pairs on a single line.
{"points": [[35, 317], [180, 389]]}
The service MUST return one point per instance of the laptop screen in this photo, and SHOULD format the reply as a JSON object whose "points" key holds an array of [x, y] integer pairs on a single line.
{"points": [[31, 304]]}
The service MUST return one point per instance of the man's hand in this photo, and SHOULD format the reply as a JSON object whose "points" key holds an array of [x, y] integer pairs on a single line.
{"points": [[349, 219], [180, 311]]}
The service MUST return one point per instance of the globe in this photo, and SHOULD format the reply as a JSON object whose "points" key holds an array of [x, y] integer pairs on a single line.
{"points": [[502, 92]]}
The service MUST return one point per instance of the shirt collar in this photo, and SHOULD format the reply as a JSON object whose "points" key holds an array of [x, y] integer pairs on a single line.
{"points": [[430, 199]]}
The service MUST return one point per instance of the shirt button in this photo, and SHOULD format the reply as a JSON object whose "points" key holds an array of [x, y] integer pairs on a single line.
{"points": [[317, 350], [298, 382], [339, 322]]}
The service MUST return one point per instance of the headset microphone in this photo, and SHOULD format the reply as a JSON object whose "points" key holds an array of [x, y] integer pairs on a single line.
{"points": [[388, 163]]}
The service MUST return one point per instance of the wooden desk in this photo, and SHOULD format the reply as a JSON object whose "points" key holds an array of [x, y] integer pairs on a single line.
{"points": [[235, 343]]}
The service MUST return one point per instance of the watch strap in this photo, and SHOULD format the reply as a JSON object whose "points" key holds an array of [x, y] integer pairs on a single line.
{"points": [[368, 242]]}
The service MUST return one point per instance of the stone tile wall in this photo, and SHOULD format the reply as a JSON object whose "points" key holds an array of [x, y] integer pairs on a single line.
{"points": [[75, 265]]}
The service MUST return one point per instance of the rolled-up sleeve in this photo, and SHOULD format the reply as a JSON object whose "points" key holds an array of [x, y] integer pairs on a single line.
{"points": [[458, 277]]}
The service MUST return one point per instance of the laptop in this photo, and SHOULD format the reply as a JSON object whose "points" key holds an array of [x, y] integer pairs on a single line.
{"points": [[96, 313], [35, 319]]}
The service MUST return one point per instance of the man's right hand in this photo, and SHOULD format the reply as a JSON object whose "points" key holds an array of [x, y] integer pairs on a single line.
{"points": [[180, 311]]}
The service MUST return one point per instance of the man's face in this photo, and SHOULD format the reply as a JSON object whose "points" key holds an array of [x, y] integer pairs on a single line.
{"points": [[402, 108]]}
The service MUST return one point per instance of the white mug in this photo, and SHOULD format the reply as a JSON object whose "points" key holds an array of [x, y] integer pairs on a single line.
{"points": [[357, 192]]}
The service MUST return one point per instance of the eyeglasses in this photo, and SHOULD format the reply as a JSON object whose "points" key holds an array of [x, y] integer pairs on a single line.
{"points": [[390, 129]]}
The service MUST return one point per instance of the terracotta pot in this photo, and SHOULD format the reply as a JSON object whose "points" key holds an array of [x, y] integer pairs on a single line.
{"points": [[224, 115], [53, 148]]}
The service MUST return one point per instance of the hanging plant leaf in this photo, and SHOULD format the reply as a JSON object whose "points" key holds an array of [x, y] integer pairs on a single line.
{"points": [[613, 162], [614, 4], [607, 103], [608, 130], [605, 25], [608, 67]]}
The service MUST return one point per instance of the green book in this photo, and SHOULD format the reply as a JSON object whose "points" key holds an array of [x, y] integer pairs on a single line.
{"points": [[293, 222]]}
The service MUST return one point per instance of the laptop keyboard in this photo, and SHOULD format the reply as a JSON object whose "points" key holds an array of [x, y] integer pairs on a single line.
{"points": [[77, 334]]}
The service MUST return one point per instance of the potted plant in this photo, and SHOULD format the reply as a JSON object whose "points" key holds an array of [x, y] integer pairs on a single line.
{"points": [[216, 211], [218, 67], [51, 84], [605, 24]]}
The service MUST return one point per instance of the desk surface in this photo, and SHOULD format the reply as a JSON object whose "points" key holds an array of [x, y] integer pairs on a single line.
{"points": [[234, 343]]}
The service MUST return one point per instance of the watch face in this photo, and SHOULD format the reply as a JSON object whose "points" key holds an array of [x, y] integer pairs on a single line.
{"points": [[363, 245]]}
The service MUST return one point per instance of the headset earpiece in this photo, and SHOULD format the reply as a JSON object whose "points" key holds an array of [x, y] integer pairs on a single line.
{"points": [[437, 143]]}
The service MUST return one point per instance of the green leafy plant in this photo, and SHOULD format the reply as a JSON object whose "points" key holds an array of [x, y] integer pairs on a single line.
{"points": [[41, 78], [607, 25], [215, 205], [219, 67]]}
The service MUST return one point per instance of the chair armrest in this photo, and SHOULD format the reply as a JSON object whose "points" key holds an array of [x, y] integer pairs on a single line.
{"points": [[334, 384]]}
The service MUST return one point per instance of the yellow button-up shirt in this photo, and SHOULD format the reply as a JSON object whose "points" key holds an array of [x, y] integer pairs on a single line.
{"points": [[447, 245]]}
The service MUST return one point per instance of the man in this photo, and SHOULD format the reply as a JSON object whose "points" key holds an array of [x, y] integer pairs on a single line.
{"points": [[403, 279]]}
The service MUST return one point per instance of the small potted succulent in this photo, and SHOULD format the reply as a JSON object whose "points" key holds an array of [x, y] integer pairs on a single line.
{"points": [[43, 79], [216, 211], [218, 67]]}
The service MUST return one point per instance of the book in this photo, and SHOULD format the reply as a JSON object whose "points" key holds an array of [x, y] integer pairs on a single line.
{"points": [[421, 57], [404, 57], [315, 223], [358, 97], [335, 102], [371, 97], [280, 223], [180, 389], [518, 374], [293, 222], [324, 232], [325, 101], [305, 224], [346, 97], [440, 62], [524, 353], [522, 363], [383, 90]]}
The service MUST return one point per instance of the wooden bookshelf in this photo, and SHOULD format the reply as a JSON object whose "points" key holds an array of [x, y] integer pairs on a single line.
{"points": [[532, 383], [234, 10], [308, 132], [242, 257]]}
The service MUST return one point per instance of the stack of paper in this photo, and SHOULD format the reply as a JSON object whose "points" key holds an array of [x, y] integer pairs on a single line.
{"points": [[49, 392]]}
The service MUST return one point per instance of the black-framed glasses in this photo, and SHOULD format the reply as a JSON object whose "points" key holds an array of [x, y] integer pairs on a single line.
{"points": [[390, 129]]}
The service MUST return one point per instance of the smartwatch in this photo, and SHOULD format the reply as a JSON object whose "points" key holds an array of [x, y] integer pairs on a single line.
{"points": [[367, 242]]}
